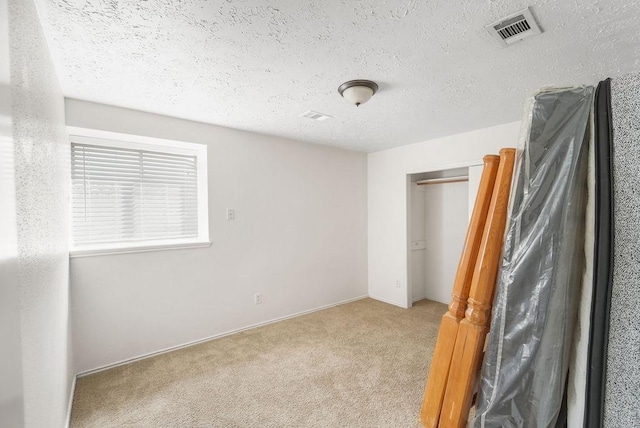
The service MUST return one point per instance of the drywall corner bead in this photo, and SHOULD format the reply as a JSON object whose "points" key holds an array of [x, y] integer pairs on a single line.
{"points": [[622, 377]]}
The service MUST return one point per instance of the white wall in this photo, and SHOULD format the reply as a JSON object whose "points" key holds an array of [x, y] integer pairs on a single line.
{"points": [[446, 218], [41, 156], [475, 174], [299, 237], [418, 236], [11, 392], [387, 198]]}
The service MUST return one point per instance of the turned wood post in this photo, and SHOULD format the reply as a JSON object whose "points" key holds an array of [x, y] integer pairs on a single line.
{"points": [[464, 274], [436, 382], [469, 344]]}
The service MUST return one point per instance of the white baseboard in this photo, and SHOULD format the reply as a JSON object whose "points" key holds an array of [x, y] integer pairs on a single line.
{"points": [[387, 301], [216, 336], [437, 300], [70, 404]]}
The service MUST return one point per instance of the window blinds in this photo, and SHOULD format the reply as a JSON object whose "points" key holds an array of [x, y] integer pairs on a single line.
{"points": [[127, 195]]}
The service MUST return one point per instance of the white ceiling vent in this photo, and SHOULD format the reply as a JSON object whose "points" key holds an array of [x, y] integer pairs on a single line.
{"points": [[315, 115], [514, 27]]}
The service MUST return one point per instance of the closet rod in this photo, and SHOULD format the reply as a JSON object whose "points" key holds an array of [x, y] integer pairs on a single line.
{"points": [[443, 180]]}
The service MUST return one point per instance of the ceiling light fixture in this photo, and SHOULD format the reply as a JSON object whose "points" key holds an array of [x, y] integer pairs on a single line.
{"points": [[358, 91]]}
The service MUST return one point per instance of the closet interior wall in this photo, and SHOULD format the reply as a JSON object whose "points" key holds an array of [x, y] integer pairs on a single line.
{"points": [[439, 220]]}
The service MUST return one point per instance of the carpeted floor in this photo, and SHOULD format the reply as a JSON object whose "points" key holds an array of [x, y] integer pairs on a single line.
{"points": [[362, 364]]}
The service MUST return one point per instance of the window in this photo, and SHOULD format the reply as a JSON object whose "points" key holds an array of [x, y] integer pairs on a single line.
{"points": [[136, 194]]}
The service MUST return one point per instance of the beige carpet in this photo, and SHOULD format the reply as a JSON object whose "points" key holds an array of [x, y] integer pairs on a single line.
{"points": [[362, 364]]}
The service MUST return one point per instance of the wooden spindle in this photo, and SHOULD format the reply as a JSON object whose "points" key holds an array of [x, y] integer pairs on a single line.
{"points": [[436, 383], [469, 344]]}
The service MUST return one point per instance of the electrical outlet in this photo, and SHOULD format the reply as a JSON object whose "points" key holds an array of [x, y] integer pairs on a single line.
{"points": [[257, 298], [231, 214]]}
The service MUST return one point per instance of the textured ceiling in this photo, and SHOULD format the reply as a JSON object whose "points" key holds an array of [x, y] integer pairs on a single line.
{"points": [[258, 65]]}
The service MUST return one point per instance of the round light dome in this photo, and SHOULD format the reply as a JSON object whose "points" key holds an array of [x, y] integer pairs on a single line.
{"points": [[358, 91]]}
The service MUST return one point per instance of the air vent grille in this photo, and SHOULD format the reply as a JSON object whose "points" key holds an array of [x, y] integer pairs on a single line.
{"points": [[315, 115], [515, 27], [520, 25]]}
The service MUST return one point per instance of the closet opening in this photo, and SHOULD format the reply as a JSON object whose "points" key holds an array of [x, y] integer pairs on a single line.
{"points": [[440, 204]]}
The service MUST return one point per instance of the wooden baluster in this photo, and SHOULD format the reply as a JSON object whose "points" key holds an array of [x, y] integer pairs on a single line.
{"points": [[467, 353], [437, 380]]}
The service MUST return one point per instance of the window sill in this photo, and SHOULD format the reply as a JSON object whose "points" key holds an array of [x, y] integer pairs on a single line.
{"points": [[138, 247]]}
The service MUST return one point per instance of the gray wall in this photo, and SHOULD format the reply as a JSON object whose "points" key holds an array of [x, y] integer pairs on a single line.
{"points": [[41, 173], [623, 376]]}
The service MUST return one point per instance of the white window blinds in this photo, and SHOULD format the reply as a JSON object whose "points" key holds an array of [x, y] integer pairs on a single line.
{"points": [[128, 195]]}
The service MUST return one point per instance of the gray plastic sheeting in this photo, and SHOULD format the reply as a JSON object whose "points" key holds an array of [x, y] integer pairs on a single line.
{"points": [[525, 366]]}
